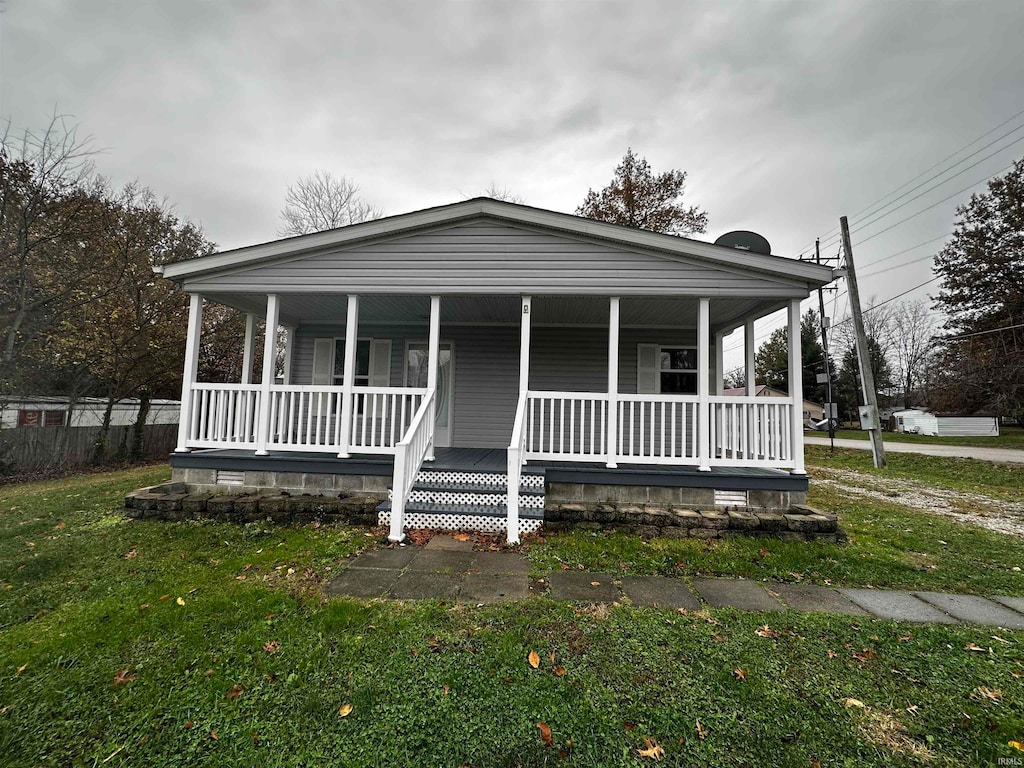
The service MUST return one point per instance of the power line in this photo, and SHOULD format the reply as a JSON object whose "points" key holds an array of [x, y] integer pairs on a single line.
{"points": [[906, 250], [873, 307], [828, 234], [936, 186], [938, 202], [979, 333]]}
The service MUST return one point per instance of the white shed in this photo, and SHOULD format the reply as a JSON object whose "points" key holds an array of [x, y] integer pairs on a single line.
{"points": [[920, 422]]}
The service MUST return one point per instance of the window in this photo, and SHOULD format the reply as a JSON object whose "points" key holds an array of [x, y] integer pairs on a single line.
{"points": [[38, 418], [362, 363], [677, 371]]}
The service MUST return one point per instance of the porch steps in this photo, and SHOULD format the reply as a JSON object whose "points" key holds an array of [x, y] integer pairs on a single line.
{"points": [[469, 500]]}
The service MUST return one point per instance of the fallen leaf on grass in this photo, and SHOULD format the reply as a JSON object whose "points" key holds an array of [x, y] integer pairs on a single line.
{"points": [[59, 526], [815, 762], [180, 601], [534, 660], [865, 655], [848, 702], [345, 711], [701, 732], [272, 646], [545, 734], [122, 677], [446, 689], [832, 654], [559, 671], [717, 637], [1019, 745], [235, 692], [213, 735], [981, 692], [975, 647], [766, 631], [164, 598], [255, 738], [739, 674], [188, 725], [595, 583], [629, 726], [131, 553], [652, 749], [20, 669]]}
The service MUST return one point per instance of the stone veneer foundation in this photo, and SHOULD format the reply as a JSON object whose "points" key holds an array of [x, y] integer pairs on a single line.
{"points": [[798, 523], [176, 501]]}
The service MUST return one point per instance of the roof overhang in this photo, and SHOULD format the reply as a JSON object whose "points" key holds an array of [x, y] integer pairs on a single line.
{"points": [[511, 213]]}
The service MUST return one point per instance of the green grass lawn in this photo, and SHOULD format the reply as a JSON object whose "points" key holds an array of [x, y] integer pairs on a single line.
{"points": [[1009, 437], [140, 643], [891, 545]]}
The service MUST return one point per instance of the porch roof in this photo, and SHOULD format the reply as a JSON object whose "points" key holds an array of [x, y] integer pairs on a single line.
{"points": [[497, 310], [630, 243]]}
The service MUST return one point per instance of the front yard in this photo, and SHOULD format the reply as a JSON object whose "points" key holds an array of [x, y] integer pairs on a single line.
{"points": [[154, 643]]}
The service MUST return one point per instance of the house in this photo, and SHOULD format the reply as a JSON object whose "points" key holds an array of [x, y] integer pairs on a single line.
{"points": [[921, 422], [478, 361], [811, 409], [55, 411]]}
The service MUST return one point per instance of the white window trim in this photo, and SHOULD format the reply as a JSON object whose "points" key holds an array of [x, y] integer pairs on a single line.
{"points": [[662, 348], [334, 358]]}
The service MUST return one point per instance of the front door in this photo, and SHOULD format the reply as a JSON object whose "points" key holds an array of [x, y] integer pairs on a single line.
{"points": [[416, 354]]}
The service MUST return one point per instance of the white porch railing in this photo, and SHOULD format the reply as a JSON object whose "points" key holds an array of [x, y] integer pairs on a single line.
{"points": [[655, 429], [409, 455], [751, 431], [658, 429], [302, 417], [223, 415], [381, 416], [516, 458], [566, 425], [305, 418]]}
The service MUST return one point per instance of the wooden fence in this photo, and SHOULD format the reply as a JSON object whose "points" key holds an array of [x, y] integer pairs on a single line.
{"points": [[41, 449]]}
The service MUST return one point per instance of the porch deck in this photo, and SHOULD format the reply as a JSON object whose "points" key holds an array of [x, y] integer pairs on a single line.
{"points": [[496, 460]]}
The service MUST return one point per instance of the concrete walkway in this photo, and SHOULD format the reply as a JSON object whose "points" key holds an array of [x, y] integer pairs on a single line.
{"points": [[999, 455], [446, 569]]}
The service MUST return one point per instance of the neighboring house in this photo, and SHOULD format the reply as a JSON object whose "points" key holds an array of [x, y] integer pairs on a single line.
{"points": [[46, 411], [811, 409], [920, 422], [438, 351]]}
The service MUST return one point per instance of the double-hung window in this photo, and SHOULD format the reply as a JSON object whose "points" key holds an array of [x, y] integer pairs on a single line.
{"points": [[677, 371]]}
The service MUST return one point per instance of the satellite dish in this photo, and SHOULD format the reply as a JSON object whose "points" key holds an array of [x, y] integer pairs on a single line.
{"points": [[745, 241]]}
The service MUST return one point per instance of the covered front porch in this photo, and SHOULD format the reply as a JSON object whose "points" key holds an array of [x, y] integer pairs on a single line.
{"points": [[597, 389]]}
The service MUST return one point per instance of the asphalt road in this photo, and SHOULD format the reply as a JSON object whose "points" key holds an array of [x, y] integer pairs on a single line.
{"points": [[1001, 455]]}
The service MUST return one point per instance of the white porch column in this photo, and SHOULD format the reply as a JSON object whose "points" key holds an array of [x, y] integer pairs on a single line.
{"points": [[249, 350], [289, 347], [195, 326], [719, 364], [613, 382], [703, 385], [524, 346], [796, 387], [351, 339], [434, 354], [748, 355], [750, 389], [267, 382]]}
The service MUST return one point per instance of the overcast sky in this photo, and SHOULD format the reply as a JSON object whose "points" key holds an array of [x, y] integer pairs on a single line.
{"points": [[785, 115]]}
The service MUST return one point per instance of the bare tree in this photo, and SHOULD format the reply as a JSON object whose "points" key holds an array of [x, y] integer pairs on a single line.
{"points": [[503, 193], [910, 343], [320, 202], [51, 209]]}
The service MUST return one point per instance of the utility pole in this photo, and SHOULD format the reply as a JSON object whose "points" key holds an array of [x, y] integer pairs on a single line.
{"points": [[869, 411], [824, 346]]}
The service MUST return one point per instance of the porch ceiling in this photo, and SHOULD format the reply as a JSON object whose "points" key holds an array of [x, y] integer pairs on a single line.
{"points": [[658, 311]]}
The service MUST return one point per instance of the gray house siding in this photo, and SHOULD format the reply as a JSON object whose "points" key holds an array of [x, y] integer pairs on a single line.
{"points": [[487, 366], [491, 258]]}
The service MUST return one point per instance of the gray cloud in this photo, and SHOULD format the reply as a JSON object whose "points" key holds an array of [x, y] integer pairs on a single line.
{"points": [[785, 114]]}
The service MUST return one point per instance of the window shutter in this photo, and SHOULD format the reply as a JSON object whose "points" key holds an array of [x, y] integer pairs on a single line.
{"points": [[323, 361], [380, 362], [647, 369]]}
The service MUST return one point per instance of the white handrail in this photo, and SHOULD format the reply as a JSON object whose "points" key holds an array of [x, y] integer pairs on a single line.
{"points": [[409, 455], [516, 459]]}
